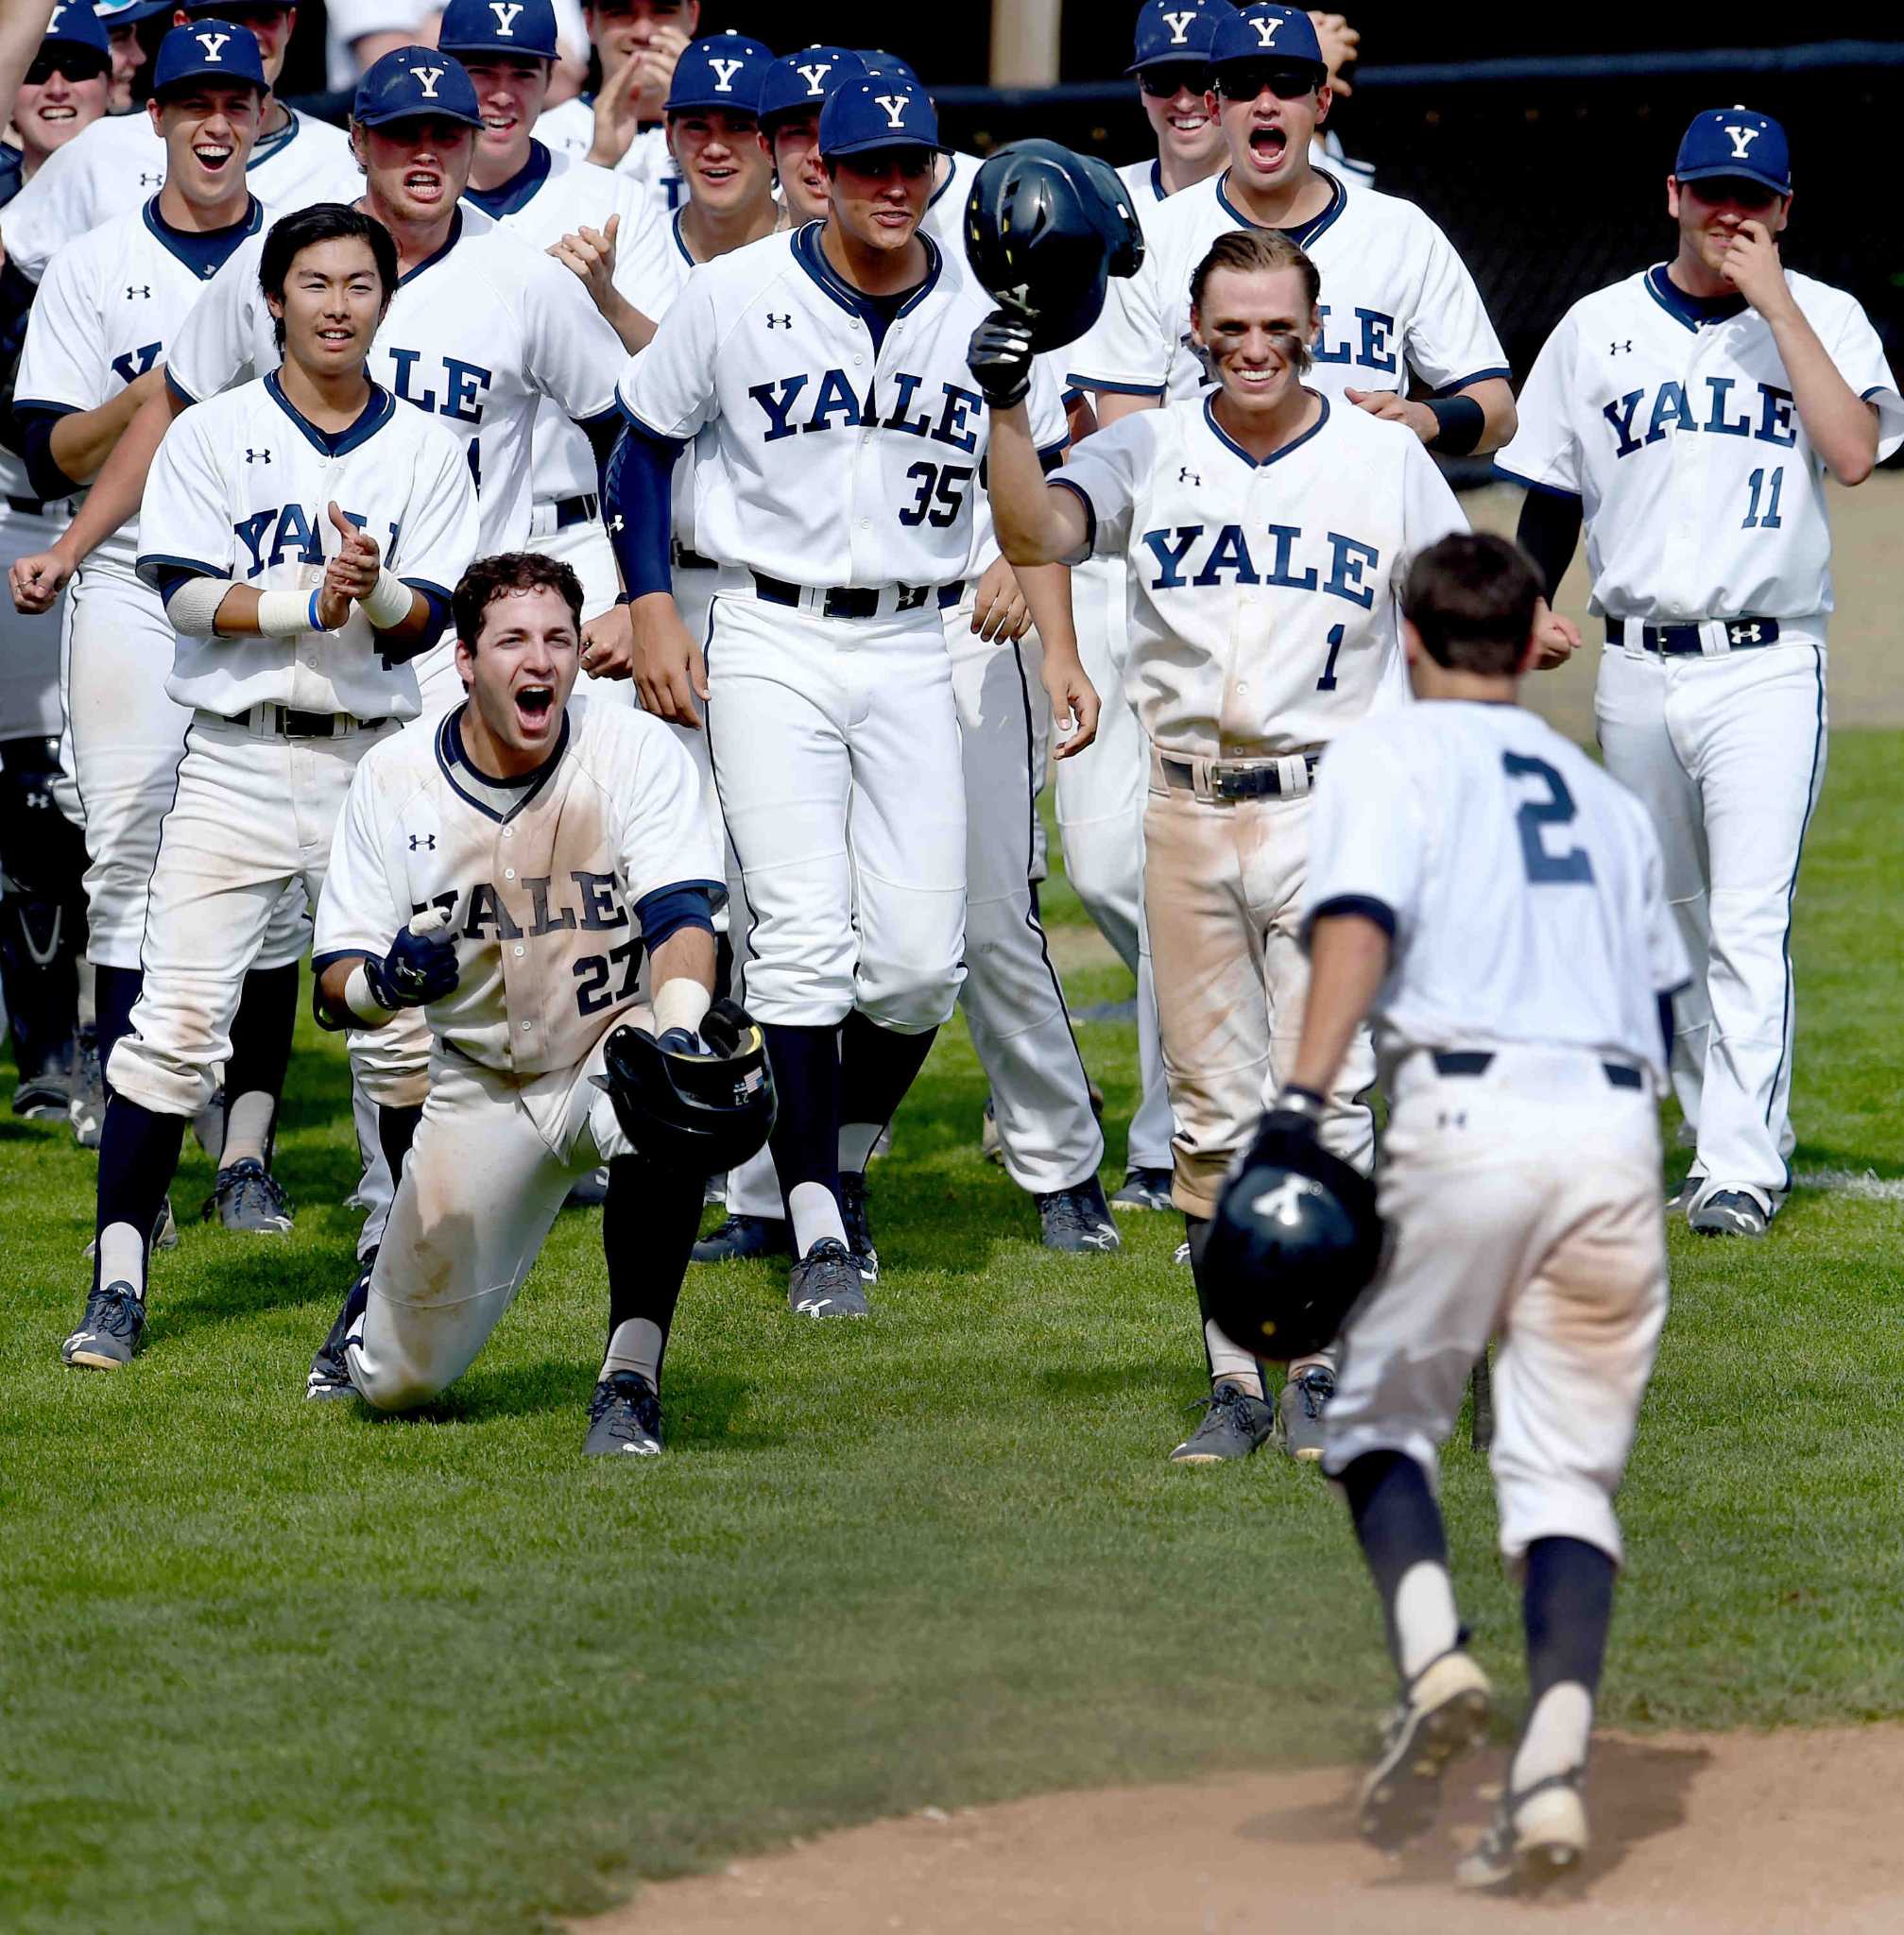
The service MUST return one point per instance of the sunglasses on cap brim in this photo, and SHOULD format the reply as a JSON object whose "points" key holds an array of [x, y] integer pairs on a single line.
{"points": [[1244, 80]]}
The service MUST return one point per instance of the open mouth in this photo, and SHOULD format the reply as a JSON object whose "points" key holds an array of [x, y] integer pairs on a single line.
{"points": [[57, 114], [422, 185], [339, 335], [214, 157], [1267, 147], [499, 124], [534, 704], [715, 172]]}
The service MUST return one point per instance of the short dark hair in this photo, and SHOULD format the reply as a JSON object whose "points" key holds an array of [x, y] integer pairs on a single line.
{"points": [[1253, 252], [1471, 597], [491, 578], [323, 221]]}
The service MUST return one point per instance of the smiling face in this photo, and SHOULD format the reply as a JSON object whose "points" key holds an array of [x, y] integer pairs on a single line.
{"points": [[417, 168], [1256, 329], [519, 675], [880, 198], [1183, 115], [510, 90], [724, 158], [128, 56], [1709, 214], [208, 127], [49, 112], [332, 300], [617, 28], [1270, 115], [797, 157]]}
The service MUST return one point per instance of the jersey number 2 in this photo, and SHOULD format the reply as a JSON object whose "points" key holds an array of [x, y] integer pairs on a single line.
{"points": [[947, 485], [1545, 868], [1771, 520]]}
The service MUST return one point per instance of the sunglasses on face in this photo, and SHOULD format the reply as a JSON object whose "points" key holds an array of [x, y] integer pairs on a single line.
{"points": [[76, 66], [1244, 80], [1166, 83]]}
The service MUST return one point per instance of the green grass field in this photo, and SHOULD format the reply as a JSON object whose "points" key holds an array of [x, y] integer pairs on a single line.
{"points": [[279, 1667]]}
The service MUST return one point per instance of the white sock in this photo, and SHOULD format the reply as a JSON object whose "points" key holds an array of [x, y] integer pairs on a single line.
{"points": [[1426, 1622], [248, 1127], [816, 1216], [121, 1256], [856, 1146], [1229, 1366], [636, 1346], [1554, 1739]]}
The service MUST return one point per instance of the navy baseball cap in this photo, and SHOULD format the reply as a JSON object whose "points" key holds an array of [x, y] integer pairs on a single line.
{"points": [[881, 65], [408, 83], [74, 24], [209, 50], [1738, 142], [115, 14], [806, 79], [524, 27], [723, 70], [1265, 32], [1173, 33], [194, 7], [869, 114]]}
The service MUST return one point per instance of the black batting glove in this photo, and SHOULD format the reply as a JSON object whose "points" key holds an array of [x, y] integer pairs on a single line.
{"points": [[419, 970], [1296, 1111], [999, 358]]}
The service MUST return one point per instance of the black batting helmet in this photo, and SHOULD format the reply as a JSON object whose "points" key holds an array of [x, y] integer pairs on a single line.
{"points": [[1045, 230], [697, 1113], [1294, 1242]]}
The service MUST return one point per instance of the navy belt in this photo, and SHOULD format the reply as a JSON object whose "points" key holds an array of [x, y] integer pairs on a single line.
{"points": [[571, 511], [1246, 782], [296, 725], [26, 506], [692, 560], [1683, 640], [1475, 1061], [859, 601]]}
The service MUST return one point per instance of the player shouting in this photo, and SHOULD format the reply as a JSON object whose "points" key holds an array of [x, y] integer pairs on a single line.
{"points": [[1263, 531], [303, 530], [1689, 416]]}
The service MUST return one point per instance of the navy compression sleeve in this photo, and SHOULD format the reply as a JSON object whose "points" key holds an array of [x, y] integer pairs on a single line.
{"points": [[639, 510]]}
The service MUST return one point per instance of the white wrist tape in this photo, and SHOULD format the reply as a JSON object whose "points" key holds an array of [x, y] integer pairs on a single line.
{"points": [[362, 1004], [680, 1003], [287, 614], [390, 604]]}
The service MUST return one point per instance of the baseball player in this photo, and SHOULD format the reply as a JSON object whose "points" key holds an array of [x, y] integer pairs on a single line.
{"points": [[108, 307], [131, 52], [1519, 1184], [303, 530], [1262, 530], [561, 841], [1688, 416], [1401, 303], [43, 914], [838, 446], [792, 97], [117, 164], [637, 44]]}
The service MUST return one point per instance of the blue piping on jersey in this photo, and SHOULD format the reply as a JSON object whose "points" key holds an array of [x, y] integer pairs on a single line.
{"points": [[811, 257], [1115, 389], [153, 567], [454, 237], [1509, 477], [509, 197], [1461, 383], [1361, 906], [1301, 233], [450, 755], [681, 242], [178, 389], [377, 411], [207, 251], [1792, 891], [269, 144], [1223, 437], [1690, 312], [1157, 187], [1082, 496]]}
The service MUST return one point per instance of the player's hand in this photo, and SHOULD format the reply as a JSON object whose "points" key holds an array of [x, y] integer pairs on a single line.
{"points": [[1558, 637], [1753, 267], [1296, 1111], [608, 644], [670, 673], [998, 612], [999, 358], [616, 117], [37, 581], [1075, 704], [590, 254], [420, 966], [655, 70], [1392, 408], [1341, 43], [351, 572]]}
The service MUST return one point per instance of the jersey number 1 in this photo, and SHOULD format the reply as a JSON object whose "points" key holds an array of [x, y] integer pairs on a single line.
{"points": [[1327, 682], [1770, 521], [1557, 810]]}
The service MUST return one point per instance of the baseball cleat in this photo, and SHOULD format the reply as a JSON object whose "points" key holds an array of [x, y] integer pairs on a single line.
{"points": [[86, 1110], [625, 1418], [1680, 1199], [247, 1197], [826, 1282], [1180, 1256], [1077, 1219], [1144, 1188], [1234, 1424], [1303, 1400], [330, 1374], [588, 1191], [859, 1226], [43, 1098], [1442, 1714], [742, 1237], [1536, 1838], [109, 1333], [714, 1192], [1730, 1213], [989, 1147]]}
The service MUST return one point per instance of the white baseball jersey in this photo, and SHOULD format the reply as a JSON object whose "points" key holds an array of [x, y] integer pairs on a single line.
{"points": [[475, 337], [944, 218], [240, 489], [109, 305], [543, 881], [116, 164], [555, 195], [1447, 822], [1672, 419], [832, 462], [1395, 297], [1262, 596], [569, 128]]}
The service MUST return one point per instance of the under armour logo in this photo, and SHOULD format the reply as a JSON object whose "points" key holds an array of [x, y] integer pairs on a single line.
{"points": [[427, 78], [723, 74], [135, 290], [38, 800], [895, 106], [1265, 25], [151, 180], [1624, 349], [212, 44], [257, 457], [1744, 634], [816, 76], [1188, 476], [1179, 25], [1742, 139], [419, 841], [778, 321], [505, 17], [617, 524], [911, 597], [1283, 1204]]}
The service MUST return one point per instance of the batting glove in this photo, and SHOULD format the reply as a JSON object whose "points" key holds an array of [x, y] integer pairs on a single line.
{"points": [[680, 1042], [1296, 1111], [419, 970], [999, 358]]}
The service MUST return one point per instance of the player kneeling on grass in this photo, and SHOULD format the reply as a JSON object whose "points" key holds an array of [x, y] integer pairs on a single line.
{"points": [[505, 874], [1495, 901]]}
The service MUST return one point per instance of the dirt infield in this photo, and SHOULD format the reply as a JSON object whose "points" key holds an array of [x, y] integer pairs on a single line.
{"points": [[1865, 687], [1725, 1835]]}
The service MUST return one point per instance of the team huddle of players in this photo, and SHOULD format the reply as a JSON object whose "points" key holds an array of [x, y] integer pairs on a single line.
{"points": [[560, 571]]}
